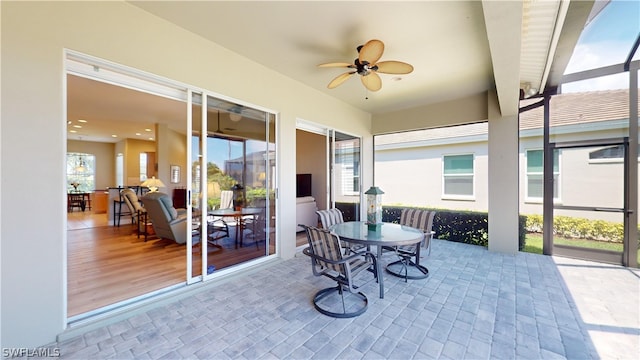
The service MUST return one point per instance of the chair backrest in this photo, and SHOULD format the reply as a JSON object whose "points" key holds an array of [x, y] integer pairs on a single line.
{"points": [[324, 245], [226, 199], [330, 217], [131, 200], [418, 218], [75, 198]]}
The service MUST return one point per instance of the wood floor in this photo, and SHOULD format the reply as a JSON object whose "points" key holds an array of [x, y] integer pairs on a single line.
{"points": [[108, 264]]}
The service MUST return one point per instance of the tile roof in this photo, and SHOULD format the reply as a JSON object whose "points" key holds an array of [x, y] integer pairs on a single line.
{"points": [[565, 109]]}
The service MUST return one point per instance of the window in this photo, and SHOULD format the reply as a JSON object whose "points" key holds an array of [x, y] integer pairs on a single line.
{"points": [[348, 158], [534, 175], [143, 166], [610, 154], [81, 172], [458, 176], [120, 169]]}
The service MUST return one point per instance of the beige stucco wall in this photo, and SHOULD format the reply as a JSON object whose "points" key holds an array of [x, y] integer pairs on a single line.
{"points": [[34, 36], [454, 112]]}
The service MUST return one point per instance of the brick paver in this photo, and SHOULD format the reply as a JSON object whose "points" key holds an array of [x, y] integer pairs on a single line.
{"points": [[475, 304]]}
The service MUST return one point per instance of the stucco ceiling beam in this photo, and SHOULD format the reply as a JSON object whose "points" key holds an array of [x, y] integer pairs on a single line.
{"points": [[503, 21]]}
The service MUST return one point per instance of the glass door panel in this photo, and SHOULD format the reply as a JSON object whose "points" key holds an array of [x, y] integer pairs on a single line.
{"points": [[233, 185], [345, 171]]}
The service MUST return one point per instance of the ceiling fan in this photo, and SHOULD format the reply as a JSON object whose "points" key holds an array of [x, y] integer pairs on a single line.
{"points": [[368, 67]]}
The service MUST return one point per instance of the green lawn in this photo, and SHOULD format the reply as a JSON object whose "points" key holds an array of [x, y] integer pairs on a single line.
{"points": [[533, 244]]}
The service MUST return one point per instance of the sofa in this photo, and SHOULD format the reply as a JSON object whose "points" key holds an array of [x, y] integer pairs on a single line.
{"points": [[306, 212]]}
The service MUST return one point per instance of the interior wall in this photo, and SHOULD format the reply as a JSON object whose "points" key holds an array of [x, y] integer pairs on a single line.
{"points": [[132, 159], [105, 161], [311, 158], [34, 38]]}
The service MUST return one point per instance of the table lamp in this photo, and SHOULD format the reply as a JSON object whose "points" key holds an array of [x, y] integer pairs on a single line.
{"points": [[153, 184]]}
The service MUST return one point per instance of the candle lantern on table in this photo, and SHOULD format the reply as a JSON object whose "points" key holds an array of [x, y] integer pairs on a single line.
{"points": [[374, 208], [238, 196]]}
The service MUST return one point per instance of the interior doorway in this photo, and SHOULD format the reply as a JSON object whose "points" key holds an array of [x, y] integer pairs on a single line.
{"points": [[328, 162]]}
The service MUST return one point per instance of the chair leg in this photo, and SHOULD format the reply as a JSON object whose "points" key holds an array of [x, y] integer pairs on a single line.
{"points": [[406, 263], [322, 294]]}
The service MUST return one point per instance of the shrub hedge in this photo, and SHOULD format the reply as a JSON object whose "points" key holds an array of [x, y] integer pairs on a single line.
{"points": [[470, 227], [571, 227]]}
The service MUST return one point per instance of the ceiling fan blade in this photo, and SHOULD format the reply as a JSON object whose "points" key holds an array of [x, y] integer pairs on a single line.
{"points": [[340, 79], [336, 64], [371, 51], [394, 67], [372, 81]]}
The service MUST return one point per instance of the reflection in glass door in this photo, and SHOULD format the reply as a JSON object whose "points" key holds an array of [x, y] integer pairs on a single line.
{"points": [[233, 185], [590, 212]]}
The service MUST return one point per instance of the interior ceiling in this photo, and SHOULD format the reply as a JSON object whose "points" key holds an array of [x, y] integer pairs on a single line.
{"points": [[457, 48]]}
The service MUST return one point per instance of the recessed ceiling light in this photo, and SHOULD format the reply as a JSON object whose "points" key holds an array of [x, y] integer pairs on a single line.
{"points": [[72, 131], [69, 122], [82, 121], [150, 138], [77, 126], [147, 129], [138, 134], [114, 135]]}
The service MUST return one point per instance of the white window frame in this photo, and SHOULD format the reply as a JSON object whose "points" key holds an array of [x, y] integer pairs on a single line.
{"points": [[539, 200], [471, 197], [89, 162]]}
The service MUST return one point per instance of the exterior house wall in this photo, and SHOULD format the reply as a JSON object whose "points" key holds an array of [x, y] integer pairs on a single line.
{"points": [[34, 38], [582, 182], [414, 176]]}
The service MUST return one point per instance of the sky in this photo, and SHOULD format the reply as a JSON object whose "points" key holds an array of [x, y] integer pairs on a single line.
{"points": [[607, 40]]}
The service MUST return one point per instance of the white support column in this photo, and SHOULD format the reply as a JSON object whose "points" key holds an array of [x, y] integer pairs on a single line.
{"points": [[503, 179]]}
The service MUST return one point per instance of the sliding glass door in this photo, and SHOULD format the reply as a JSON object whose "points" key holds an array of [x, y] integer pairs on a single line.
{"points": [[233, 176]]}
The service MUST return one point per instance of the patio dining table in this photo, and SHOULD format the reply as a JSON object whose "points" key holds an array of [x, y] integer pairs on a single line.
{"points": [[239, 216], [387, 234]]}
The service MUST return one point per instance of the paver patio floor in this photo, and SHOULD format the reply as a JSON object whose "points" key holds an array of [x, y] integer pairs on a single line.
{"points": [[475, 304]]}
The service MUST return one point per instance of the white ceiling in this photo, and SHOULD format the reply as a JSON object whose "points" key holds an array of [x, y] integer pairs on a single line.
{"points": [[457, 48]]}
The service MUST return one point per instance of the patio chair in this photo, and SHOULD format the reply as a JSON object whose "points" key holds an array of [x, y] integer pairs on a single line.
{"points": [[334, 216], [217, 229], [408, 268], [327, 260], [226, 199], [168, 223]]}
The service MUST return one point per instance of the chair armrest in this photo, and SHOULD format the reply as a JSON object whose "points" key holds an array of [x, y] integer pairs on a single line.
{"points": [[344, 260]]}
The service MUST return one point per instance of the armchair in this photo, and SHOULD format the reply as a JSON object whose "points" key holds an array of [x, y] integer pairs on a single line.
{"points": [[168, 223]]}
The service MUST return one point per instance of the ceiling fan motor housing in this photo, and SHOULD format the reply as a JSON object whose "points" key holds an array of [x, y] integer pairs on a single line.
{"points": [[364, 68]]}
